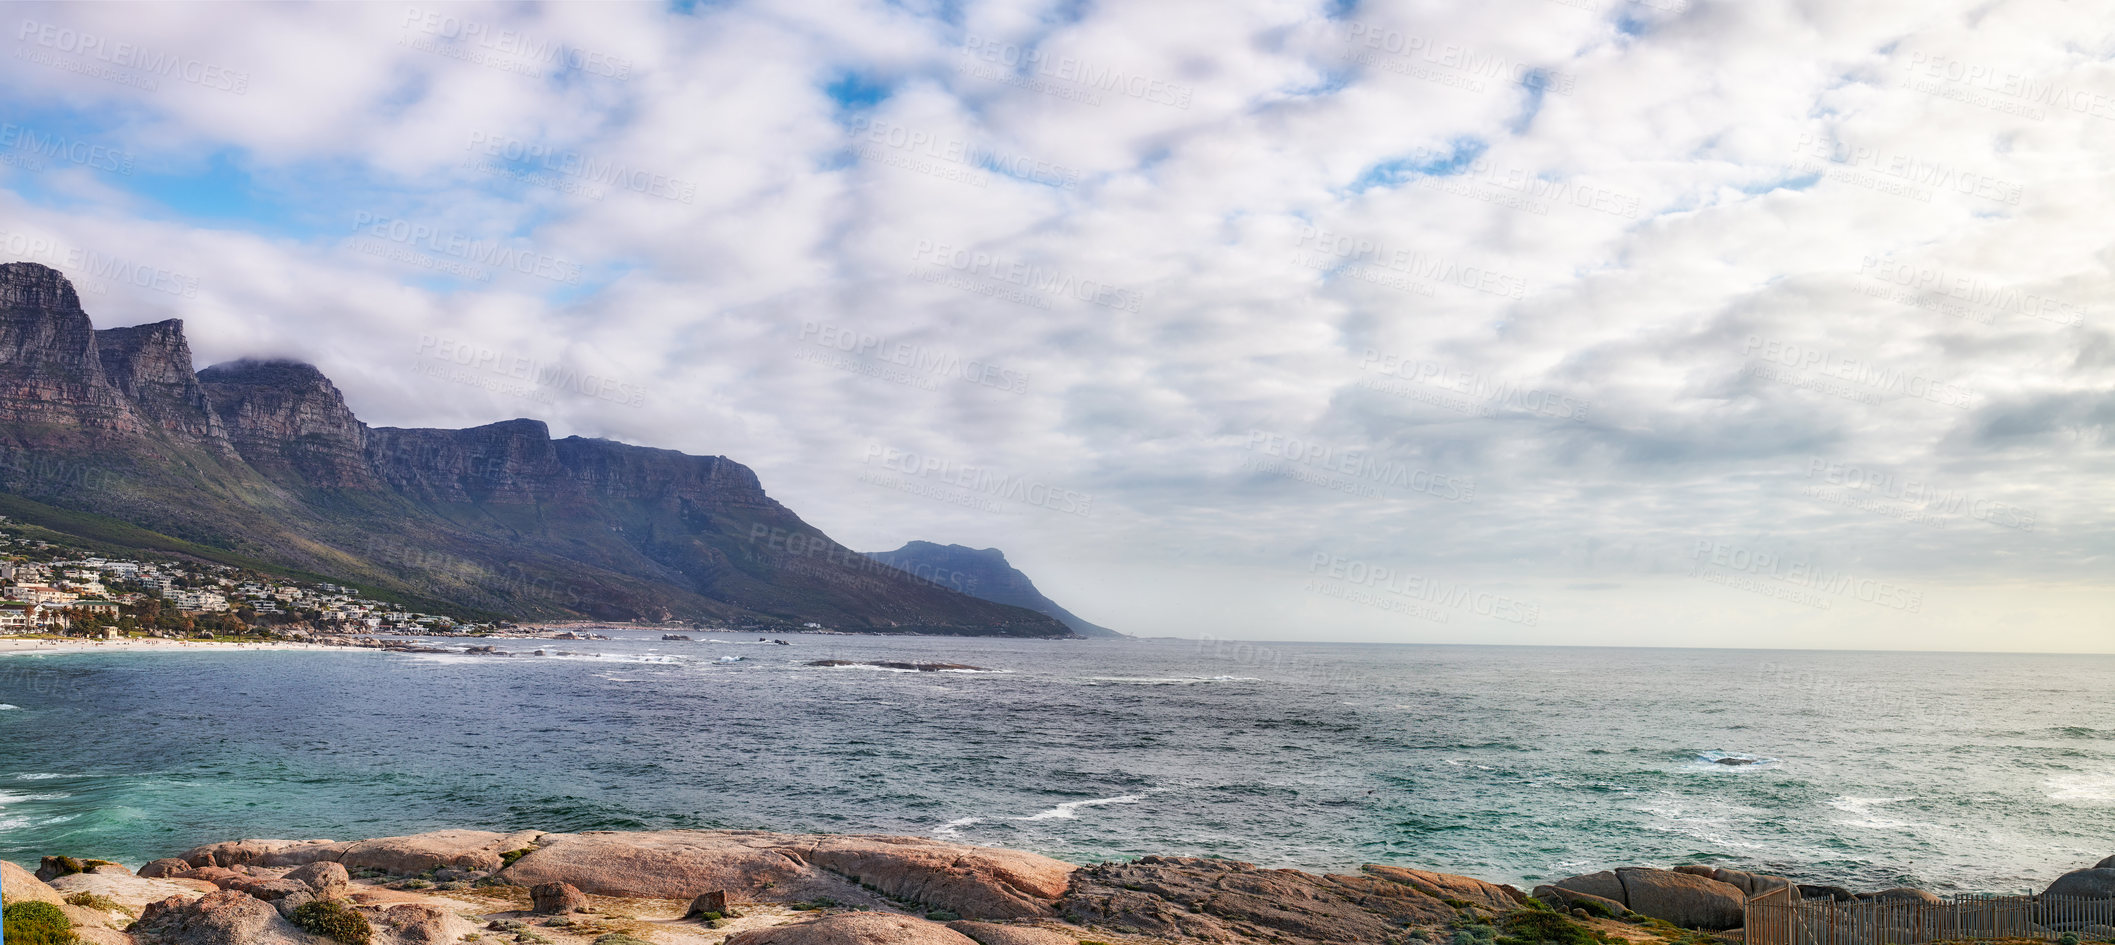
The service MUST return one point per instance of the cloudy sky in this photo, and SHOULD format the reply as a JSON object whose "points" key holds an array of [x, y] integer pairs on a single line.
{"points": [[1547, 321]]}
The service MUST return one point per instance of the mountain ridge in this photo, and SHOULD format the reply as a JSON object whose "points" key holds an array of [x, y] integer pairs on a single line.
{"points": [[984, 574], [264, 458]]}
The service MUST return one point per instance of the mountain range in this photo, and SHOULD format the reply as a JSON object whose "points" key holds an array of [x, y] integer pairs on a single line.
{"points": [[111, 434]]}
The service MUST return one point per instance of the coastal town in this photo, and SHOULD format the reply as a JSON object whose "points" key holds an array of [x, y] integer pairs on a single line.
{"points": [[48, 587]]}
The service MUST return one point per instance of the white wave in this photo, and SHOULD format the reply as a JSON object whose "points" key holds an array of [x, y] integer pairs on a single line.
{"points": [[953, 828], [2081, 788], [37, 777], [1070, 810], [4, 707], [1864, 817], [1171, 680], [8, 798]]}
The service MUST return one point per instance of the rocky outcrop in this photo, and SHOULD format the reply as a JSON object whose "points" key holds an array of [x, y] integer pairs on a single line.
{"points": [[556, 899], [1684, 897], [679, 864], [19, 885], [232, 853], [2106, 864], [2096, 883], [461, 849], [1227, 901], [1685, 900], [857, 928], [290, 422], [980, 882], [51, 377], [1444, 886], [167, 866], [222, 918], [1565, 900], [151, 366], [326, 879], [1815, 891], [418, 923], [1903, 894], [990, 933], [133, 892]]}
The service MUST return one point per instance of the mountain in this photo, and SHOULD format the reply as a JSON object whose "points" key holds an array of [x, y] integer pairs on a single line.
{"points": [[982, 574], [112, 432]]}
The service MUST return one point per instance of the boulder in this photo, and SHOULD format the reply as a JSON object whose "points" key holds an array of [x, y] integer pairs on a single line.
{"points": [[856, 928], [19, 885], [2096, 883], [1228, 901], [675, 864], [222, 918], [974, 882], [461, 849], [1683, 899], [1753, 884], [167, 866], [1704, 871], [1838, 893], [53, 867], [325, 878], [95, 936], [557, 898], [292, 903], [257, 881], [1564, 900], [263, 852], [1491, 896], [2107, 864], [423, 924], [133, 892], [1904, 894], [1601, 885], [714, 901], [987, 933]]}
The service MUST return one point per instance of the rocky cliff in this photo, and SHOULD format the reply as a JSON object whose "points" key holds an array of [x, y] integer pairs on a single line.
{"points": [[266, 459], [983, 574]]}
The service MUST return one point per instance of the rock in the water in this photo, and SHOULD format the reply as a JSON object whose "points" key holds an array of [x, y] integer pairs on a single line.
{"points": [[133, 892], [223, 918], [19, 885], [987, 933], [714, 901], [1904, 894], [1227, 901], [422, 924], [1685, 900], [856, 928], [168, 866], [558, 898], [1603, 885], [326, 879], [2096, 883]]}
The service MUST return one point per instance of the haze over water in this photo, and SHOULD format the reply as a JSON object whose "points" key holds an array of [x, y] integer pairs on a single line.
{"points": [[1969, 772]]}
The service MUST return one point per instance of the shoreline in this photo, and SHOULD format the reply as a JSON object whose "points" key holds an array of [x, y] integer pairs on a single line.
{"points": [[753, 887]]}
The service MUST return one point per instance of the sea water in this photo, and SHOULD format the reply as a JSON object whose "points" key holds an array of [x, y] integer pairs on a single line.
{"points": [[1953, 772]]}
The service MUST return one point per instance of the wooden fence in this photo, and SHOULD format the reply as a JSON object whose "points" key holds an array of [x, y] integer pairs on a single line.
{"points": [[1777, 918]]}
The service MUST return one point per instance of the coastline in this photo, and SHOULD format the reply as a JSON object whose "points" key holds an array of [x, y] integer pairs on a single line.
{"points": [[751, 887], [17, 647]]}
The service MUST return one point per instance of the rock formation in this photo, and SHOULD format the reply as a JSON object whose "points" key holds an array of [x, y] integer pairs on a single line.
{"points": [[982, 574]]}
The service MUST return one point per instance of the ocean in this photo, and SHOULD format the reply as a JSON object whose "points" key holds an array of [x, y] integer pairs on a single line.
{"points": [[1952, 772]]}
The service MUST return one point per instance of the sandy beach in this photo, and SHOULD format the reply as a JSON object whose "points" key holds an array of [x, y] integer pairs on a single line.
{"points": [[13, 646]]}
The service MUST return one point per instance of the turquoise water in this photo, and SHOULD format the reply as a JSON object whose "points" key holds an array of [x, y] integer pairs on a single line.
{"points": [[1952, 772]]}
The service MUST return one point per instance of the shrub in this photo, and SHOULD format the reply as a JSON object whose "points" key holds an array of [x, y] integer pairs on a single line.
{"points": [[507, 859], [619, 938], [2068, 938], [1530, 926], [943, 915], [89, 900], [1595, 909], [36, 923], [335, 921], [64, 866]]}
